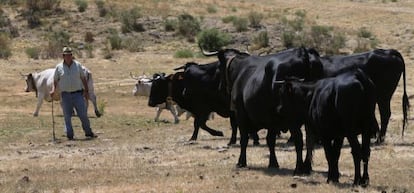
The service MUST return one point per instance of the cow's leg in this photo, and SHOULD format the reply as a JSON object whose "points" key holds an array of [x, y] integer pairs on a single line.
{"points": [[255, 138], [310, 142], [328, 148], [233, 124], [196, 128], [244, 140], [385, 113], [337, 145], [95, 105], [174, 113], [157, 116], [366, 151], [298, 137], [202, 121], [242, 121], [271, 141], [40, 98], [356, 155]]}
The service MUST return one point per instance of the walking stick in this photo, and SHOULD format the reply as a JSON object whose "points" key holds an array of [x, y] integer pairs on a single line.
{"points": [[53, 123]]}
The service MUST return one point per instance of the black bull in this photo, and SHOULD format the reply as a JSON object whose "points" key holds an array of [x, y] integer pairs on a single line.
{"points": [[251, 81], [384, 67], [334, 108], [195, 90]]}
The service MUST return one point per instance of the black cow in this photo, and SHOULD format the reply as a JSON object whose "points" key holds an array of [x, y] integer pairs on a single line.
{"points": [[334, 108], [196, 90], [250, 80], [384, 67]]}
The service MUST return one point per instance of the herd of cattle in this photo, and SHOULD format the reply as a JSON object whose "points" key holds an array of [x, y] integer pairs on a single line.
{"points": [[332, 96]]}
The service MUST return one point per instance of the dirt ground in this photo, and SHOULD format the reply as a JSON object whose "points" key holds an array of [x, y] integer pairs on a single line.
{"points": [[135, 154]]}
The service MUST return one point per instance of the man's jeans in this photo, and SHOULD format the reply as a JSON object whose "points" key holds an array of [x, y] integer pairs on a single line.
{"points": [[75, 100]]}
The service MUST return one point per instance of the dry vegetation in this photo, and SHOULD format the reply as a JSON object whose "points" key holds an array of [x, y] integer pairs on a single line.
{"points": [[135, 154]]}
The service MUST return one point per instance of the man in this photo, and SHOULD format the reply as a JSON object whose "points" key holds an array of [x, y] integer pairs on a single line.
{"points": [[73, 87]]}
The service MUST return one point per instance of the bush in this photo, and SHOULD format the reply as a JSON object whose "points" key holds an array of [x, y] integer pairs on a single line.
{"points": [[89, 37], [188, 26], [262, 40], [255, 19], [364, 33], [115, 41], [132, 44], [186, 53], [5, 51], [33, 52], [33, 20], [129, 20], [212, 39], [82, 5], [170, 25], [211, 9], [56, 40], [229, 19], [240, 24], [42, 5], [89, 50], [101, 8]]}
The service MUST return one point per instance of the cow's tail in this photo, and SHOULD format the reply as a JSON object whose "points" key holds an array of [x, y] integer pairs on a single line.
{"points": [[405, 101], [370, 94]]}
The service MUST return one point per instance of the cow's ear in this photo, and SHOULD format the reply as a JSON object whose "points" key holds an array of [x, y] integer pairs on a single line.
{"points": [[180, 77]]}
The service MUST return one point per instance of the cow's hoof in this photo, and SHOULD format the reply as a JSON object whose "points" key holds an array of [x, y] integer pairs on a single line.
{"points": [[256, 143], [241, 165], [35, 114], [380, 140], [219, 133], [98, 114], [231, 143], [176, 121]]}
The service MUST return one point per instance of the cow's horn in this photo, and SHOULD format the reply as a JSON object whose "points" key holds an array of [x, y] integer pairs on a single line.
{"points": [[179, 68], [205, 53]]}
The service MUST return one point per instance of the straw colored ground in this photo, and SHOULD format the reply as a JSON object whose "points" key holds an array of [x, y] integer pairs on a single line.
{"points": [[135, 154]]}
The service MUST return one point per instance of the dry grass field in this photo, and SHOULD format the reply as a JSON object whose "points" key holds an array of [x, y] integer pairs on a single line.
{"points": [[135, 154]]}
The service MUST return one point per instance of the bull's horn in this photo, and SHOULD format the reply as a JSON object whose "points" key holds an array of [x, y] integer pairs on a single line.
{"points": [[179, 68], [279, 81], [205, 53]]}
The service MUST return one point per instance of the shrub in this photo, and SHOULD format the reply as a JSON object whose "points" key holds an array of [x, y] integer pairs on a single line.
{"points": [[212, 39], [364, 33], [89, 37], [211, 9], [132, 44], [240, 24], [229, 19], [261, 40], [186, 53], [89, 50], [170, 25], [56, 40], [255, 19], [188, 26], [33, 52], [115, 41], [5, 51], [82, 5], [101, 8], [33, 20], [129, 20]]}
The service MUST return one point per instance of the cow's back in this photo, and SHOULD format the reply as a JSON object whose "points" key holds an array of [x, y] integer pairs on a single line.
{"points": [[342, 103]]}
